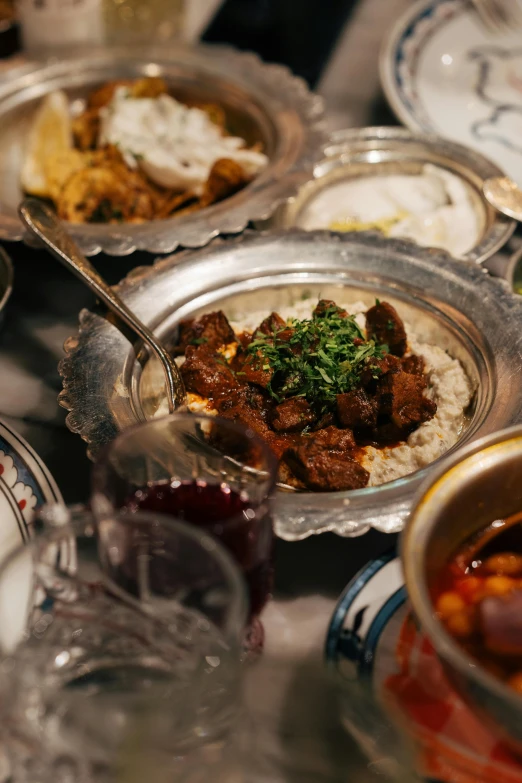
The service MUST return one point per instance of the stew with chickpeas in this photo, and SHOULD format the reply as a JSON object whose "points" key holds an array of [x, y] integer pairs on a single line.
{"points": [[478, 598]]}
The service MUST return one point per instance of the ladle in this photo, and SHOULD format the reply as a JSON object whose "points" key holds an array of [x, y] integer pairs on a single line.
{"points": [[504, 195], [43, 222]]}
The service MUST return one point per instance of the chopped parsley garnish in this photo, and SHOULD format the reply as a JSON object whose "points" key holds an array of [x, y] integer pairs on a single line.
{"points": [[316, 358]]}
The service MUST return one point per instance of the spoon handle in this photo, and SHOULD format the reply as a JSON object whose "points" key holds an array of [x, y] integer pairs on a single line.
{"points": [[45, 224]]}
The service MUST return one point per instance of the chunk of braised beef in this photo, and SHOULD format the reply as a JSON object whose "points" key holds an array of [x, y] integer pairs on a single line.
{"points": [[331, 439], [212, 330], [250, 408], [206, 373], [401, 397], [325, 421], [272, 323], [244, 339], [245, 407], [414, 365], [327, 306], [356, 410], [325, 471], [250, 396], [293, 415], [378, 368], [385, 326], [254, 368]]}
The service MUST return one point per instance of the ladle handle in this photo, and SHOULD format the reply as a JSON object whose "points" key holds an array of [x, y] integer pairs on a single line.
{"points": [[43, 222]]}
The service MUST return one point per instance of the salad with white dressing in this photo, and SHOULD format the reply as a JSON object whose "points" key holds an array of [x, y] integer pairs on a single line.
{"points": [[176, 146]]}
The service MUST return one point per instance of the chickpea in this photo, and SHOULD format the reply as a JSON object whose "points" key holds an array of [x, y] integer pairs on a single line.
{"points": [[449, 603], [515, 682], [461, 624], [498, 585], [507, 563], [471, 588]]}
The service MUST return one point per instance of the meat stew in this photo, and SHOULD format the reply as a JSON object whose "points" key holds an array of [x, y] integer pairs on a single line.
{"points": [[478, 598], [317, 390]]}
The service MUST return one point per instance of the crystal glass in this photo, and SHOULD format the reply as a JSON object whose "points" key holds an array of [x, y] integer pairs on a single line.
{"points": [[95, 680], [142, 21], [210, 472]]}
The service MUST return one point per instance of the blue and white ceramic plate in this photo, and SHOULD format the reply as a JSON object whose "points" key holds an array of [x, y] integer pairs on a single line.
{"points": [[25, 485], [374, 597], [360, 647], [443, 73]]}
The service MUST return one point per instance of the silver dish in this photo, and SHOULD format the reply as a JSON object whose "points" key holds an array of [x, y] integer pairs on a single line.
{"points": [[455, 304], [367, 152], [460, 499], [263, 103]]}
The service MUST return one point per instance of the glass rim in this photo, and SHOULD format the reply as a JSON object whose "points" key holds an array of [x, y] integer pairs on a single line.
{"points": [[268, 455], [81, 519]]}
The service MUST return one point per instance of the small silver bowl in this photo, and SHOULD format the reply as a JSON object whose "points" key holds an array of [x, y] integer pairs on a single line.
{"points": [[467, 492], [368, 152], [6, 281]]}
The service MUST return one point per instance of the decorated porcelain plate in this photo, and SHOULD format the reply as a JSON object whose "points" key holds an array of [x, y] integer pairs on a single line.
{"points": [[395, 698], [443, 73], [25, 485]]}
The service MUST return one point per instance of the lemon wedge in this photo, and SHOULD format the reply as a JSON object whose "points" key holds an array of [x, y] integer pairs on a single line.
{"points": [[59, 167], [50, 135]]}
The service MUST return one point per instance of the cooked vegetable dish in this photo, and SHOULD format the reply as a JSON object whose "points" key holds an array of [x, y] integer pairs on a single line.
{"points": [[134, 154], [479, 599], [318, 390]]}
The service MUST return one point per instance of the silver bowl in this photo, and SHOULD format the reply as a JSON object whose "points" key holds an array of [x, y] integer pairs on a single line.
{"points": [[367, 152], [462, 497], [263, 103], [456, 304]]}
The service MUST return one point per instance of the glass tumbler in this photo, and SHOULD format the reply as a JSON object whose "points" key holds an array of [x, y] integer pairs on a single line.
{"points": [[142, 22], [210, 472], [97, 683]]}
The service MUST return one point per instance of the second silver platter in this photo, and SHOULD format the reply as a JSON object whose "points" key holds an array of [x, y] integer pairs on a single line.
{"points": [[454, 305]]}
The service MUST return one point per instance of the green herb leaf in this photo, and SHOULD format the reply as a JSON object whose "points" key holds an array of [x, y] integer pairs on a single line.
{"points": [[316, 358], [325, 376]]}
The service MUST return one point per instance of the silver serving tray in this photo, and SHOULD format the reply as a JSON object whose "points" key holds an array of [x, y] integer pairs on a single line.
{"points": [[263, 103], [381, 151], [454, 303]]}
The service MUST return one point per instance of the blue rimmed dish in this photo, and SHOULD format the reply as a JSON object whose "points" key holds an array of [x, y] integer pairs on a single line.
{"points": [[444, 73]]}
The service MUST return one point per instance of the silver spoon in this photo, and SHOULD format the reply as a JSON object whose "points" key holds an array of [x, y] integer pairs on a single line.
{"points": [[45, 224], [504, 195]]}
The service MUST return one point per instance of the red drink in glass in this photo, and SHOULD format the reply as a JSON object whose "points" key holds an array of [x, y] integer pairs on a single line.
{"points": [[226, 514]]}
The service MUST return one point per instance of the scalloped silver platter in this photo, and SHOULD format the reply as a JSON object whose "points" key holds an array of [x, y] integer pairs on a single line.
{"points": [[263, 103], [366, 152], [454, 304]]}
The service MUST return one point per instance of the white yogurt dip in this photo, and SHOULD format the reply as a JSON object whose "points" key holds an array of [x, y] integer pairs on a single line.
{"points": [[176, 146], [433, 209]]}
